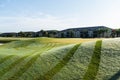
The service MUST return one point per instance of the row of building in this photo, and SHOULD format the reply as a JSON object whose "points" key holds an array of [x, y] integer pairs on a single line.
{"points": [[83, 32], [86, 32]]}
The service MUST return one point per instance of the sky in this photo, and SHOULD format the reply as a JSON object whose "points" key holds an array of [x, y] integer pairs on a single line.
{"points": [[34, 15]]}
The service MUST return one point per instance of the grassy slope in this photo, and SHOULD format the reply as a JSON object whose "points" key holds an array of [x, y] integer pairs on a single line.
{"points": [[110, 60], [77, 66], [61, 64], [56, 59], [94, 63], [51, 40], [9, 39]]}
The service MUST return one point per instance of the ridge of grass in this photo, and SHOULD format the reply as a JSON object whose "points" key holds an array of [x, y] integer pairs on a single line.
{"points": [[27, 47], [26, 66], [94, 64], [110, 58], [6, 58], [45, 62], [59, 66], [8, 68], [76, 67]]}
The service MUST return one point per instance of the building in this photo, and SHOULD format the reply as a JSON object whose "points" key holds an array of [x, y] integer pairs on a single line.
{"points": [[85, 32], [47, 33], [10, 34]]}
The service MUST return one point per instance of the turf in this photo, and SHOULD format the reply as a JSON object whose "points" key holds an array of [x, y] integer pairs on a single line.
{"points": [[110, 59], [27, 65], [94, 64], [60, 59], [6, 58], [59, 66], [77, 65]]}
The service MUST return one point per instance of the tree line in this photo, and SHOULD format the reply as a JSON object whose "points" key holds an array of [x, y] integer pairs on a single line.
{"points": [[69, 33]]}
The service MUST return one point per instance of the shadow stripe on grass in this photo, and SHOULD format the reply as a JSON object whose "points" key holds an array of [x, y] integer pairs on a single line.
{"points": [[59, 66], [26, 66], [6, 58], [8, 68], [116, 76], [94, 64]]}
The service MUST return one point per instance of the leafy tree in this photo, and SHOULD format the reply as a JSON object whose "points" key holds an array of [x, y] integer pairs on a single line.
{"points": [[21, 34], [118, 32], [101, 32], [113, 33], [70, 33]]}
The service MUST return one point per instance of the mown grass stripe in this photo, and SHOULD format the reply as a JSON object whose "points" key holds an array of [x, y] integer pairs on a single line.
{"points": [[6, 58], [59, 66], [45, 60], [8, 68], [26, 66], [94, 64]]}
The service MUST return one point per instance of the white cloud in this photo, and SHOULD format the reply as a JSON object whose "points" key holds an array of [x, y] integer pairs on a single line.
{"points": [[36, 23], [47, 22]]}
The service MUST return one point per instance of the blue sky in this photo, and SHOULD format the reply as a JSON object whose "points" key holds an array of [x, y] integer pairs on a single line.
{"points": [[34, 15]]}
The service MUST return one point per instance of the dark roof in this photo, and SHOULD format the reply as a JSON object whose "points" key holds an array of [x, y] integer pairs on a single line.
{"points": [[88, 28]]}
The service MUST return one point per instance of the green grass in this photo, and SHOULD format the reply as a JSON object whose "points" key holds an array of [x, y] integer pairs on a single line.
{"points": [[6, 69], [77, 65], [28, 64], [6, 58], [94, 64], [50, 40], [47, 61], [110, 59], [59, 66], [10, 39], [59, 59]]}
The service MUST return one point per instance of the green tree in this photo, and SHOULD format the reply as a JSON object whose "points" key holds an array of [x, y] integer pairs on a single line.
{"points": [[71, 32], [118, 32], [101, 32], [21, 34], [113, 33]]}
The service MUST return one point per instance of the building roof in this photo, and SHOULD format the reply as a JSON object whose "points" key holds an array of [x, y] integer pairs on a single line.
{"points": [[88, 28]]}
